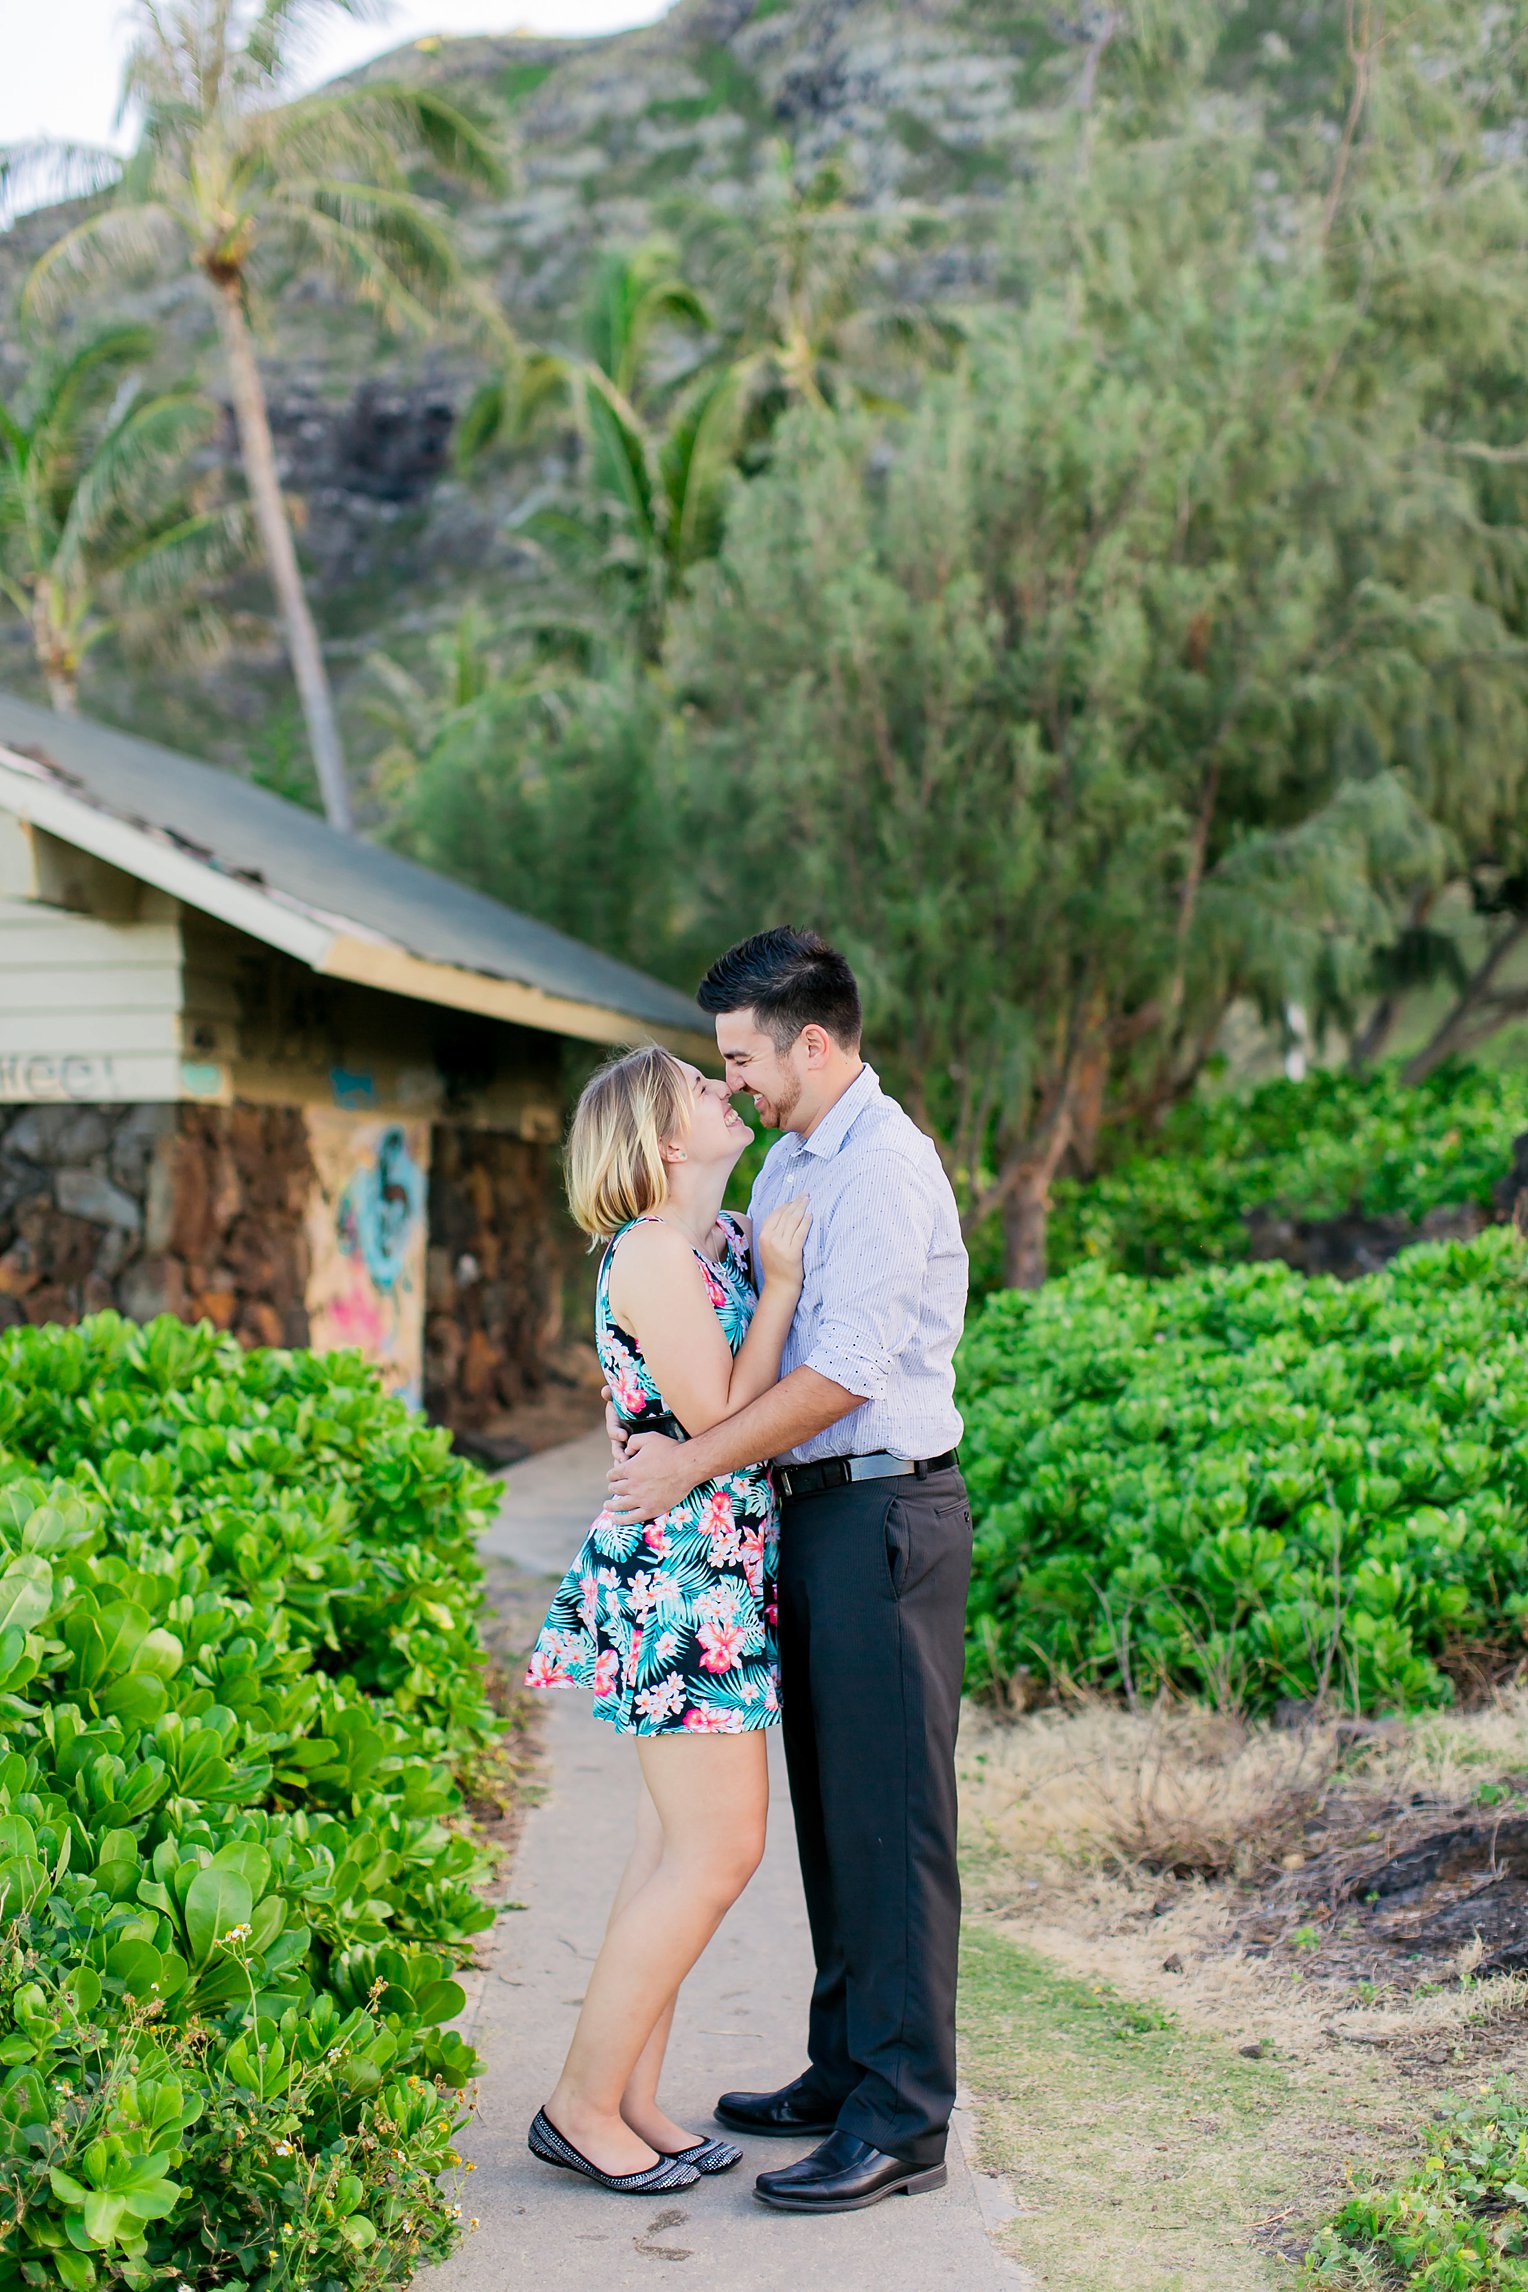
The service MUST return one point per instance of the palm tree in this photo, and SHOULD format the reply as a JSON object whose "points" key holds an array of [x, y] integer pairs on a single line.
{"points": [[799, 269], [660, 447], [469, 679], [101, 527], [233, 177]]}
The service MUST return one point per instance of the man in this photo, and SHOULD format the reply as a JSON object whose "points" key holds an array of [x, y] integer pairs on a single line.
{"points": [[875, 1560]]}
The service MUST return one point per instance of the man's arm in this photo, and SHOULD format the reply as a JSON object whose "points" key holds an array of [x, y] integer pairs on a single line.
{"points": [[655, 1473]]}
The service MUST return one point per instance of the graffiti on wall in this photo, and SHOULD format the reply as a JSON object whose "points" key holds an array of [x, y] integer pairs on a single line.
{"points": [[366, 1240], [36, 1078]]}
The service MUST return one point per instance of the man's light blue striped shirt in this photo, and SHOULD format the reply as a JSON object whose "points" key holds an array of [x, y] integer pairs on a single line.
{"points": [[884, 1295]]}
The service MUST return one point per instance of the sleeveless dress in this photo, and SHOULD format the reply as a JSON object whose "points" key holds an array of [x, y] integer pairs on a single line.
{"points": [[673, 1622]]}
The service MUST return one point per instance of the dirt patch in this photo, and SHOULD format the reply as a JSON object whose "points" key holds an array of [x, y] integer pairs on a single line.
{"points": [[1316, 1905], [1145, 2154]]}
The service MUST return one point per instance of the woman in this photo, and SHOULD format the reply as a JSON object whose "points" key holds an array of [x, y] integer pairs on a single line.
{"points": [[672, 1622]]}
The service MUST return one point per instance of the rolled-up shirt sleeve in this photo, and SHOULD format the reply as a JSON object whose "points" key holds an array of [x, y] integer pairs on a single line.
{"points": [[873, 1264]]}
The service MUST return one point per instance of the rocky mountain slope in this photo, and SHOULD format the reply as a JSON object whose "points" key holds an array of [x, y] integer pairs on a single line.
{"points": [[933, 106]]}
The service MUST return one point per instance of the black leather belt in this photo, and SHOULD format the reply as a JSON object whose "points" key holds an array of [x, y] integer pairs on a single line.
{"points": [[838, 1471]]}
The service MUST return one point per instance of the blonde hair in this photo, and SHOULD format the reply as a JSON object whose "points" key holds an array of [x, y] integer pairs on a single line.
{"points": [[615, 1170]]}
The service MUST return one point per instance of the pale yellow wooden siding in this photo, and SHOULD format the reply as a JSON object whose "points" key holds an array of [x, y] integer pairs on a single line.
{"points": [[89, 1010]]}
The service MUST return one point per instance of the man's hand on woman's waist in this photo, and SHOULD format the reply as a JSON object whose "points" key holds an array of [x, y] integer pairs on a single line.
{"points": [[656, 1473]]}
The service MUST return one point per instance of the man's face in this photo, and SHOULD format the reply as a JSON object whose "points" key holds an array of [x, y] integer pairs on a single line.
{"points": [[772, 1078]]}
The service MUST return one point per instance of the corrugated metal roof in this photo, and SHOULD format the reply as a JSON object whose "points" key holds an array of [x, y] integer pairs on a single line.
{"points": [[253, 838]]}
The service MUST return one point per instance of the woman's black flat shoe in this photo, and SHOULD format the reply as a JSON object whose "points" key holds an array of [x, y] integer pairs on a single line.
{"points": [[709, 2156], [544, 2141]]}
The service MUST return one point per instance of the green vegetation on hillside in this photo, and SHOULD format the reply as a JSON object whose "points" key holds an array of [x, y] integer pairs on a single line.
{"points": [[1088, 661], [1079, 564], [238, 1666]]}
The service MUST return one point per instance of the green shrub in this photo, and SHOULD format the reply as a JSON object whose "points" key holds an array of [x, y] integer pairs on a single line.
{"points": [[238, 1663], [1311, 1149], [1250, 1485], [1457, 2220]]}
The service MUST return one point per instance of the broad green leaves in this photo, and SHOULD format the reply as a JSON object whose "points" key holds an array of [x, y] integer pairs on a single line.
{"points": [[1250, 1485], [218, 1903], [238, 1663], [1456, 2219], [26, 1593]]}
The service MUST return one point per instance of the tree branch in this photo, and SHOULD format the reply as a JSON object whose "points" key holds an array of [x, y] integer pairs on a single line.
{"points": [[1475, 998], [1363, 46]]}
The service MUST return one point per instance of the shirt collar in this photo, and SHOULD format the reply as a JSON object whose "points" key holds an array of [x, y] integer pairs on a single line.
{"points": [[842, 1115]]}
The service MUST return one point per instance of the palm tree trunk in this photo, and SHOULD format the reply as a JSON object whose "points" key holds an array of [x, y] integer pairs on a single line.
{"points": [[303, 649], [60, 670]]}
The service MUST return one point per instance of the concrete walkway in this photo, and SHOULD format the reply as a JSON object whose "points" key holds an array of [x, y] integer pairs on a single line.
{"points": [[740, 2022]]}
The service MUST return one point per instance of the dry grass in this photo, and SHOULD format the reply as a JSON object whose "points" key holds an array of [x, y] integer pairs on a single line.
{"points": [[1177, 1789], [1163, 1852], [1200, 1793]]}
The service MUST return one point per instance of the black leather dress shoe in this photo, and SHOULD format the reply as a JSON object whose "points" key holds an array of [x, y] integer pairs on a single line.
{"points": [[845, 2175], [787, 2115]]}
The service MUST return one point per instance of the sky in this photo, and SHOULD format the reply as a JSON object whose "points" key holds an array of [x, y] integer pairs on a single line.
{"points": [[63, 58]]}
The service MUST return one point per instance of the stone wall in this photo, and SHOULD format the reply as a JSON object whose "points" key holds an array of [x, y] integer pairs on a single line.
{"points": [[493, 1283], [196, 1211], [205, 1211]]}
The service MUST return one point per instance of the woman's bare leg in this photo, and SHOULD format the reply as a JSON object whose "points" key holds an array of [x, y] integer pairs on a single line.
{"points": [[710, 1794], [639, 2102]]}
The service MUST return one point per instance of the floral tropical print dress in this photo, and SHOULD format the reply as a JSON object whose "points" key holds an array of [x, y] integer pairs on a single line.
{"points": [[673, 1622]]}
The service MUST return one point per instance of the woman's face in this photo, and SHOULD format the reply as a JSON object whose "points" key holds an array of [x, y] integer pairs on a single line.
{"points": [[716, 1133]]}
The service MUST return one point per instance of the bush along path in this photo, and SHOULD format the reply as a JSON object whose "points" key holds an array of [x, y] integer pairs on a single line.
{"points": [[239, 1674], [1253, 1486]]}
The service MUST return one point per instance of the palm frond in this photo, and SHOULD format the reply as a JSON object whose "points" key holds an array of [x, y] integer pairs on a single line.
{"points": [[65, 390], [43, 172], [351, 256], [381, 126], [506, 410], [456, 140], [696, 462], [168, 567], [114, 245], [622, 460], [481, 423], [143, 452], [632, 294], [374, 231], [285, 33]]}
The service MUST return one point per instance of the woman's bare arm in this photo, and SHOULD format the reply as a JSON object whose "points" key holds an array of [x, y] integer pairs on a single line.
{"points": [[658, 1291]]}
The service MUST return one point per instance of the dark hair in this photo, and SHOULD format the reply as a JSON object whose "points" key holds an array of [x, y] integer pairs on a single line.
{"points": [[789, 980]]}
